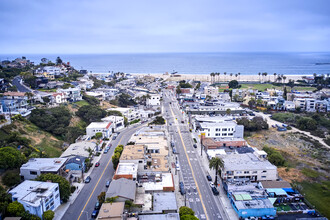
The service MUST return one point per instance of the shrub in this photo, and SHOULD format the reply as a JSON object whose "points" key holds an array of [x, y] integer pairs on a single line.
{"points": [[274, 156], [11, 178]]}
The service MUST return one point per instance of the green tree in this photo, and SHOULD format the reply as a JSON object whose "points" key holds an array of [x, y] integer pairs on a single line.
{"points": [[91, 113], [11, 178], [285, 92], [159, 120], [184, 210], [307, 124], [98, 135], [228, 111], [217, 164], [5, 199], [114, 112], [101, 197], [115, 160], [46, 99], [111, 200], [48, 215], [129, 204], [58, 61], [119, 149], [10, 158], [233, 84], [15, 209], [64, 185], [91, 100], [188, 217]]}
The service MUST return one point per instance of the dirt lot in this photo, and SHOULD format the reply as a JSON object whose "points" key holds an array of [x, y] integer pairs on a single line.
{"points": [[297, 151]]}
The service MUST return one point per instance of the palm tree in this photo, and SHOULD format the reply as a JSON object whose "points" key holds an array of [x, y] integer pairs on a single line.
{"points": [[236, 75], [266, 75], [284, 78], [239, 74], [275, 76], [111, 200], [231, 76], [218, 74], [211, 74], [129, 204], [225, 75], [259, 75], [217, 164]]}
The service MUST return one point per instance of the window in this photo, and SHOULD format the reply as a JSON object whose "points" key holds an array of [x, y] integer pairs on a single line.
{"points": [[263, 176], [56, 189], [255, 172], [238, 172], [264, 171], [33, 173], [246, 172], [57, 195], [224, 134], [224, 129]]}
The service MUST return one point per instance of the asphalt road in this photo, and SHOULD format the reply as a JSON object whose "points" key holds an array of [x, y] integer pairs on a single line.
{"points": [[83, 206], [203, 202], [17, 82]]}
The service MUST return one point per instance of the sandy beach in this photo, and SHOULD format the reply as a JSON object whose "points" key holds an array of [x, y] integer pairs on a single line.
{"points": [[226, 78]]}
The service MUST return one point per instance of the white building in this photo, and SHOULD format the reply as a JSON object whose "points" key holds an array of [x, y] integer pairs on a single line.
{"points": [[104, 127], [79, 149], [310, 105], [117, 121], [253, 166], [299, 102], [225, 129], [36, 166], [130, 113], [58, 98], [37, 197], [211, 91], [154, 100], [72, 94], [289, 106]]}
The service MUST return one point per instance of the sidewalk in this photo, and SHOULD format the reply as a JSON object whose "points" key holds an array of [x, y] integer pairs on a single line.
{"points": [[60, 211], [222, 198]]}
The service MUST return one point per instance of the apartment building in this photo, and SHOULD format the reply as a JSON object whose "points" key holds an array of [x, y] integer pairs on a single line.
{"points": [[154, 100], [117, 121], [37, 197], [95, 127], [225, 129]]}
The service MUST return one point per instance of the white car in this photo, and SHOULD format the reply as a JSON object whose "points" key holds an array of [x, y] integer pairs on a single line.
{"points": [[211, 184]]}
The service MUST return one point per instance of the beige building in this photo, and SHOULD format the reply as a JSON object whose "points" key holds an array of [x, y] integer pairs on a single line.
{"points": [[111, 211]]}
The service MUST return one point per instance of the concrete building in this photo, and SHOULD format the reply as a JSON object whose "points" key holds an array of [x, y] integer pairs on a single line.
{"points": [[111, 211], [211, 91], [289, 106], [117, 121], [58, 98], [225, 129], [36, 166], [72, 94], [252, 166], [130, 113], [37, 197], [134, 154], [126, 170], [299, 103], [79, 149], [123, 188], [165, 202], [218, 143], [169, 216], [310, 105], [95, 127], [154, 100]]}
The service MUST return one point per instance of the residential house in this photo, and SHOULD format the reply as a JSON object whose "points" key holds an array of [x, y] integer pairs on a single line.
{"points": [[111, 211], [105, 128], [58, 98], [117, 121], [75, 166], [289, 106], [37, 197], [122, 188], [37, 166], [310, 105], [164, 202], [154, 100], [80, 149], [72, 94]]}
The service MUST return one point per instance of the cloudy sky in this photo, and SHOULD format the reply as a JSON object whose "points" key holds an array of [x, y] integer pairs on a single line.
{"points": [[140, 26]]}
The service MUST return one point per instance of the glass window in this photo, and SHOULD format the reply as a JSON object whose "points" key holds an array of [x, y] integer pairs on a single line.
{"points": [[33, 172]]}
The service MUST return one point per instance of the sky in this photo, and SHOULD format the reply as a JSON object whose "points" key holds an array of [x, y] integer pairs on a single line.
{"points": [[140, 26]]}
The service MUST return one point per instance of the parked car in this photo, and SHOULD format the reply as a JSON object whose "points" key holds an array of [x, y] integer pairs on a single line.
{"points": [[174, 150], [97, 164], [107, 184], [105, 151], [114, 138], [95, 213], [215, 191], [195, 145], [88, 179], [211, 184], [97, 205], [209, 178]]}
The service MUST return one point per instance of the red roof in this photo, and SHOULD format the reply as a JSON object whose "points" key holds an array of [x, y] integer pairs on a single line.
{"points": [[108, 126]]}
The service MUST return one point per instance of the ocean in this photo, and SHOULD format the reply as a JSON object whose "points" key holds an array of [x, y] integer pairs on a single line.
{"points": [[195, 63]]}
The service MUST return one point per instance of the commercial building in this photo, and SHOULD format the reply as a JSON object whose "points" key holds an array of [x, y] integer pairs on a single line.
{"points": [[225, 129], [252, 166], [111, 211], [104, 127], [36, 166], [37, 197], [164, 202]]}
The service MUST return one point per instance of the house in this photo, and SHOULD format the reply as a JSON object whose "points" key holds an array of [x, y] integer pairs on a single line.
{"points": [[310, 105], [252, 166], [111, 211], [104, 127], [36, 166], [322, 105], [299, 103], [289, 106], [75, 166], [79, 149], [130, 113], [72, 94], [164, 202], [169, 216], [15, 106], [58, 98], [211, 91], [122, 188], [154, 100], [117, 121], [37, 197], [126, 170]]}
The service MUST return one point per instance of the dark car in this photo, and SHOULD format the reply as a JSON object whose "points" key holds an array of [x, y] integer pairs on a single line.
{"points": [[95, 213], [195, 145], [97, 206], [105, 151], [88, 179], [114, 138], [215, 191], [108, 183], [97, 164], [209, 178]]}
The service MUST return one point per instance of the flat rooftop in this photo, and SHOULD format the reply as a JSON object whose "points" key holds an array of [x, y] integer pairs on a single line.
{"points": [[254, 204], [164, 201], [167, 182], [79, 148], [169, 216], [103, 125], [246, 161], [132, 152], [44, 164], [113, 211], [31, 191], [127, 168]]}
